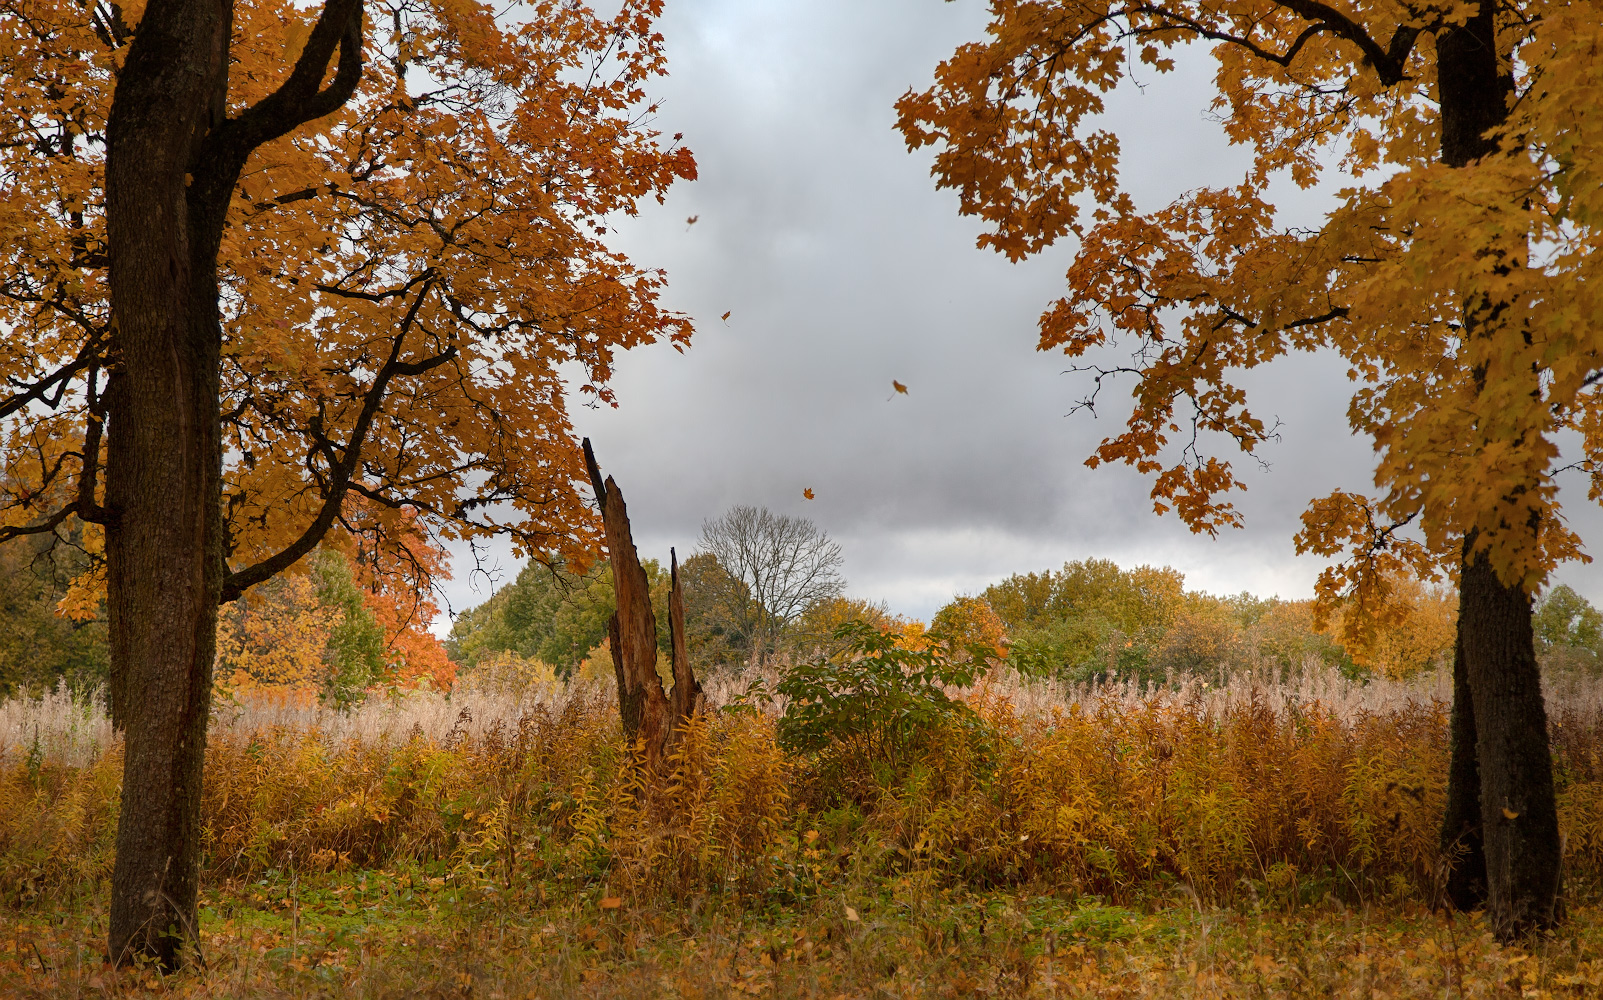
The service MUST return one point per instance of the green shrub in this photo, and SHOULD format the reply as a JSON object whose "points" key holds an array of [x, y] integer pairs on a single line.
{"points": [[875, 693]]}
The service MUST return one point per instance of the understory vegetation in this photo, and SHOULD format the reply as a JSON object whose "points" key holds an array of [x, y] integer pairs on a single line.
{"points": [[1269, 834]]}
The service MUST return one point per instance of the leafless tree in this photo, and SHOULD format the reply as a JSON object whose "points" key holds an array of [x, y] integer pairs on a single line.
{"points": [[788, 562]]}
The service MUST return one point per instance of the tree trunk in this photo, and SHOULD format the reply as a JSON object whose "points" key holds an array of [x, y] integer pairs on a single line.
{"points": [[649, 716], [1518, 810], [686, 698], [172, 160], [1465, 887], [1495, 650], [164, 468]]}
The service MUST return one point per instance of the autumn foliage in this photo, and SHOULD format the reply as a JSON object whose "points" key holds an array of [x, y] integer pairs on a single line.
{"points": [[436, 244], [1213, 283], [322, 631]]}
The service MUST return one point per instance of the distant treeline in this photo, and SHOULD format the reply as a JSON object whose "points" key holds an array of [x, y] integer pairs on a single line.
{"points": [[327, 628], [1090, 619]]}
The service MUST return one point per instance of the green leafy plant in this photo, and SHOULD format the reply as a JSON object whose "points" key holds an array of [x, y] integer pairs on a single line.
{"points": [[872, 691]]}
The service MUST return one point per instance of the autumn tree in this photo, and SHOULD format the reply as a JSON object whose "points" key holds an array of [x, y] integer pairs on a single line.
{"points": [[1454, 276], [970, 621], [1087, 619], [329, 632], [1414, 630], [817, 629], [273, 274]]}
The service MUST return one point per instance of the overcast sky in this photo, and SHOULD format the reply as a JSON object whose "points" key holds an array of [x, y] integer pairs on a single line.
{"points": [[843, 268]]}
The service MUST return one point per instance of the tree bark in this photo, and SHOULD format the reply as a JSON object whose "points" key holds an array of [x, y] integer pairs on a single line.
{"points": [[1524, 862], [686, 698], [1518, 813], [1465, 886], [650, 717], [164, 468], [173, 158]]}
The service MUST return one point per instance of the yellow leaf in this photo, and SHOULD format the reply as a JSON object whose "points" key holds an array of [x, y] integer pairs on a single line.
{"points": [[808, 493], [899, 387], [1509, 813], [851, 914], [611, 902]]}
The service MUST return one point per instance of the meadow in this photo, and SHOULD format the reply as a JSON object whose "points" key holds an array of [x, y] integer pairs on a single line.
{"points": [[1258, 835]]}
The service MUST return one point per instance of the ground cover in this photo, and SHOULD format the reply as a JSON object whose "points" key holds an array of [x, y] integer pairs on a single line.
{"points": [[394, 934]]}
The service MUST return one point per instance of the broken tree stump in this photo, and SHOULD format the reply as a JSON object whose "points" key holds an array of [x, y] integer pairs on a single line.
{"points": [[650, 716]]}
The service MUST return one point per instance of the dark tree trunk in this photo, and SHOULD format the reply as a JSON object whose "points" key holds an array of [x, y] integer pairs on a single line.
{"points": [[172, 161], [164, 468], [1518, 814], [1465, 888], [649, 716], [1518, 811], [685, 699]]}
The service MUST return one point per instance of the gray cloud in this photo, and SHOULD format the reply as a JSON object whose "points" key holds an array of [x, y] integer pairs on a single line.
{"points": [[843, 268]]}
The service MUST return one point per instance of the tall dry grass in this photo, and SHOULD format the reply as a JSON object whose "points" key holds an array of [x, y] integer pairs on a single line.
{"points": [[1281, 788]]}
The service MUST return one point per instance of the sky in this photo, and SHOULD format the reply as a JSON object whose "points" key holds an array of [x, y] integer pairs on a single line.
{"points": [[843, 268]]}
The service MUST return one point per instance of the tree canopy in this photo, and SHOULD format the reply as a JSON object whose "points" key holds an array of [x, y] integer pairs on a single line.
{"points": [[405, 283], [1214, 283]]}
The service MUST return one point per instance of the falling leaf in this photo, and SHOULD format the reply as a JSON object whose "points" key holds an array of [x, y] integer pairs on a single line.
{"points": [[899, 387], [725, 316], [811, 835], [692, 220], [610, 902], [808, 493], [1509, 813], [851, 914]]}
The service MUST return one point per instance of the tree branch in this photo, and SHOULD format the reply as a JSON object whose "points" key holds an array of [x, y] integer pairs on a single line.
{"points": [[299, 100], [88, 355], [49, 524], [342, 471], [1388, 60]]}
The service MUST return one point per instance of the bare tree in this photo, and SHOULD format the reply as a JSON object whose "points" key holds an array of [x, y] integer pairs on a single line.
{"points": [[788, 562]]}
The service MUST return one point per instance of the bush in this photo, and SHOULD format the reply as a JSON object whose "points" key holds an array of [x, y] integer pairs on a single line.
{"points": [[875, 693]]}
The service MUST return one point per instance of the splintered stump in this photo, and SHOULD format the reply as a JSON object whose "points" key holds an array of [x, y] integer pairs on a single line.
{"points": [[650, 716]]}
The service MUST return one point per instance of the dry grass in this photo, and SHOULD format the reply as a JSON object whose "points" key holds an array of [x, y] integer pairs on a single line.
{"points": [[76, 730]]}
